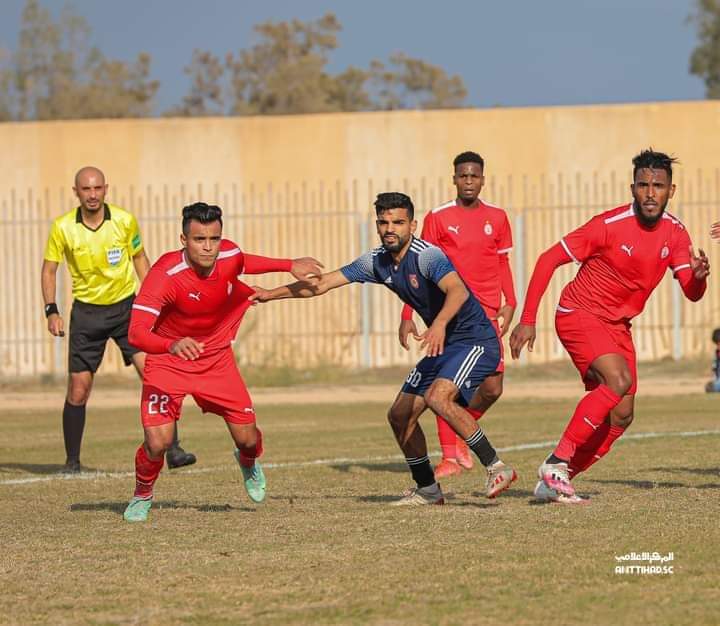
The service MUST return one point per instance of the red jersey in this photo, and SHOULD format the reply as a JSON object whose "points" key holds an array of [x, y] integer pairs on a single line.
{"points": [[175, 302], [621, 263], [477, 241]]}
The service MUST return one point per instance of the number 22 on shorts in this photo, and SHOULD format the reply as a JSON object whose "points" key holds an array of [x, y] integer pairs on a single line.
{"points": [[157, 404]]}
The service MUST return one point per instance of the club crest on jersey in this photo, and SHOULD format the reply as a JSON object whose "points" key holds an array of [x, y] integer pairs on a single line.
{"points": [[414, 281], [665, 252], [487, 229], [114, 255]]}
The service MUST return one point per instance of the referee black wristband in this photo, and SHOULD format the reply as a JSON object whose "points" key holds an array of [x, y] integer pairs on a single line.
{"points": [[51, 309]]}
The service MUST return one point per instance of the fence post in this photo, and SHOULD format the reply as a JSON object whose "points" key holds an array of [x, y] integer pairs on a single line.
{"points": [[519, 255], [365, 354], [677, 320]]}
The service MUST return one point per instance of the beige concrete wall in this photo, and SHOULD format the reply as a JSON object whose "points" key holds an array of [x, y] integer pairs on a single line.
{"points": [[304, 184], [381, 146]]}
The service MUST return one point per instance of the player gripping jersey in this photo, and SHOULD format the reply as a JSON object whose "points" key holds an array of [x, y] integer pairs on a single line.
{"points": [[185, 317], [462, 347]]}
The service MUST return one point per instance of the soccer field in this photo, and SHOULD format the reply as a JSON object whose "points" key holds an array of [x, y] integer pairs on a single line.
{"points": [[325, 547]]}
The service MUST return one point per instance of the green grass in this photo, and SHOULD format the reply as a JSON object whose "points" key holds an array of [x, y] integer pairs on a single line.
{"points": [[326, 549]]}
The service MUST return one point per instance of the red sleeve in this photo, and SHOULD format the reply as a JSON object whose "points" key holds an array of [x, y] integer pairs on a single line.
{"points": [[586, 240], [504, 239], [506, 281], [682, 270], [255, 264], [546, 264], [155, 292]]}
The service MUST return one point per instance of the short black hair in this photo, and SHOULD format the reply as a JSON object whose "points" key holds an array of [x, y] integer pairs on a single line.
{"points": [[394, 200], [716, 335], [469, 157], [650, 159], [200, 212]]}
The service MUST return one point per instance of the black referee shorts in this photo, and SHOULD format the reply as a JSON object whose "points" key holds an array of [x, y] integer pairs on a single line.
{"points": [[91, 325]]}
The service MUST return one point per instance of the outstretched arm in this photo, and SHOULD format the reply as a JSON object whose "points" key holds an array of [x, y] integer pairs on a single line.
{"points": [[301, 268], [310, 288], [547, 263]]}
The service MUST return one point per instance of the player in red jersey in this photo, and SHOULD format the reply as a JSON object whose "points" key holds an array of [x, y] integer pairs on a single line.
{"points": [[476, 237], [623, 254], [185, 317]]}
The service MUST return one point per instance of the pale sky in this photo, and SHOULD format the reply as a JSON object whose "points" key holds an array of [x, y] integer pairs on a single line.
{"points": [[509, 53]]}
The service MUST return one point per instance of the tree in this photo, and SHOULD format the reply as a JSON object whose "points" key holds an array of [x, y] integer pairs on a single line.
{"points": [[54, 74], [416, 84], [286, 72], [206, 91], [705, 59]]}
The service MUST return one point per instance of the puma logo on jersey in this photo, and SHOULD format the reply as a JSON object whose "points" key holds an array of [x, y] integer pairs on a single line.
{"points": [[627, 249], [194, 296], [589, 423], [454, 229]]}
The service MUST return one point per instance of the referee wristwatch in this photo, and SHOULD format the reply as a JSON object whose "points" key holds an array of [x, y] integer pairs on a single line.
{"points": [[51, 309]]}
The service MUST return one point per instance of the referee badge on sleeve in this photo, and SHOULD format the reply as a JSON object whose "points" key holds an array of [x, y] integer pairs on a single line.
{"points": [[114, 255]]}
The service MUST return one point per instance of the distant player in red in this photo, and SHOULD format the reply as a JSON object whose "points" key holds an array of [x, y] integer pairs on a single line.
{"points": [[476, 237], [623, 255], [185, 317]]}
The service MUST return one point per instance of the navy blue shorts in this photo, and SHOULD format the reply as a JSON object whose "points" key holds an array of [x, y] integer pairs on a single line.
{"points": [[464, 364]]}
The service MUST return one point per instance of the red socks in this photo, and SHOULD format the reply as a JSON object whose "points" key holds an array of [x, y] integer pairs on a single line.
{"points": [[447, 436], [146, 473], [589, 416], [248, 455], [595, 449]]}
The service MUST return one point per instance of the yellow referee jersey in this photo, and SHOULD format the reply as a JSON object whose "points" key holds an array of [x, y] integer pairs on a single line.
{"points": [[100, 261]]}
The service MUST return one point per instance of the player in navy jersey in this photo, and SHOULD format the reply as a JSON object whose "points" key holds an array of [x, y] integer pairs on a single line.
{"points": [[462, 348]]}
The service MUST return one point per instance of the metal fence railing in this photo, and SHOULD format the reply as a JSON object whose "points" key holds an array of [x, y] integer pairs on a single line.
{"points": [[357, 325]]}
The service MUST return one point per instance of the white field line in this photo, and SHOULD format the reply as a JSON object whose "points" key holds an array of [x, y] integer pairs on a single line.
{"points": [[336, 461]]}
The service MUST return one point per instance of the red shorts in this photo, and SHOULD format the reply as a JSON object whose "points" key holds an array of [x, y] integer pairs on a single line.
{"points": [[585, 338], [214, 382]]}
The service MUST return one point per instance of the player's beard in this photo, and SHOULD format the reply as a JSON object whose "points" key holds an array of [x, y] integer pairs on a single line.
{"points": [[395, 247], [644, 219]]}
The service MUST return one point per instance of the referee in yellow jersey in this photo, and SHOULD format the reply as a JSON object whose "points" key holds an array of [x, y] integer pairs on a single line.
{"points": [[101, 244]]}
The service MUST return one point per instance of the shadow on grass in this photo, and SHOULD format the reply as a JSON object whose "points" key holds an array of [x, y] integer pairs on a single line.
{"points": [[702, 471], [119, 507], [642, 484], [38, 468], [372, 467]]}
